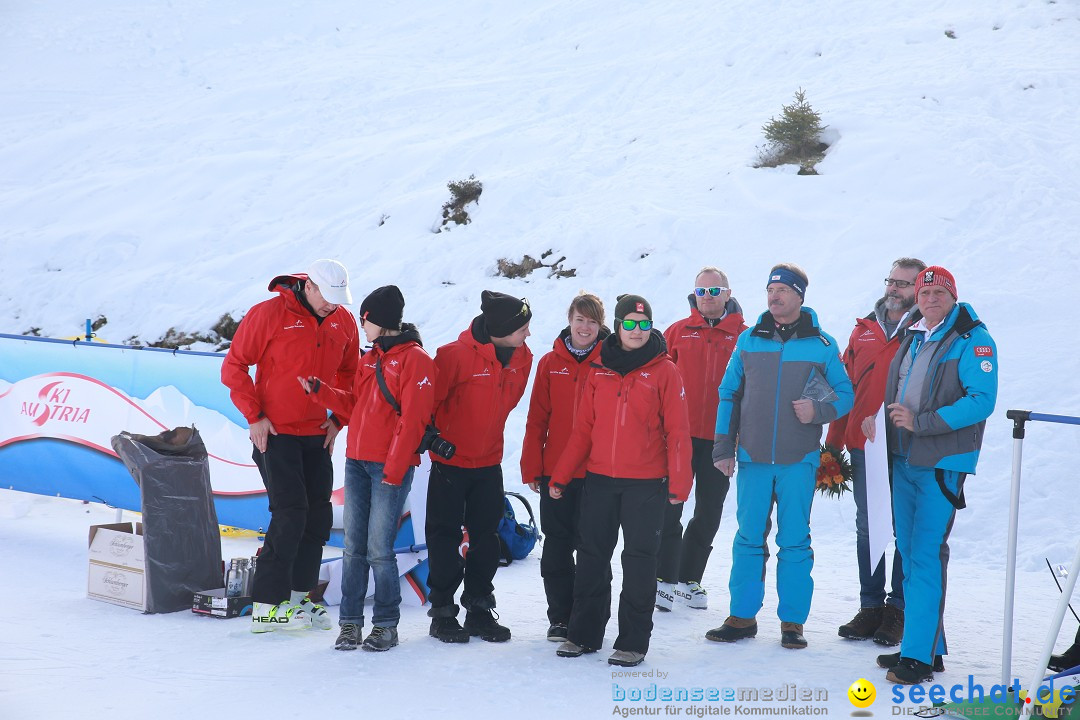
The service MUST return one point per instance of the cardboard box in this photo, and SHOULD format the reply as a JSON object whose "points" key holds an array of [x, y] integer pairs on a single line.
{"points": [[215, 604], [117, 571]]}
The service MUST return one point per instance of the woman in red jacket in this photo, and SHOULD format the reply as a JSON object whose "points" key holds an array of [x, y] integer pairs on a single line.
{"points": [[633, 433], [556, 395], [381, 457]]}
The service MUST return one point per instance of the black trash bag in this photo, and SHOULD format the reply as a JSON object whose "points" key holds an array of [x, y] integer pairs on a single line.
{"points": [[180, 529]]}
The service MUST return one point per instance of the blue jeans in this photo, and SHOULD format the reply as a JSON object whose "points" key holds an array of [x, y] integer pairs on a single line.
{"points": [[872, 582], [372, 515]]}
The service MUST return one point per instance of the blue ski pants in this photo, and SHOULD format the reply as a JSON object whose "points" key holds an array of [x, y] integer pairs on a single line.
{"points": [[924, 518], [790, 488]]}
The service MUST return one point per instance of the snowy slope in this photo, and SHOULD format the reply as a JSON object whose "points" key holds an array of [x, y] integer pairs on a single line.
{"points": [[160, 162]]}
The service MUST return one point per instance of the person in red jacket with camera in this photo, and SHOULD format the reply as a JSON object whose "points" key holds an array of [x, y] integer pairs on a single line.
{"points": [[633, 433], [479, 379], [302, 332], [389, 406], [553, 410]]}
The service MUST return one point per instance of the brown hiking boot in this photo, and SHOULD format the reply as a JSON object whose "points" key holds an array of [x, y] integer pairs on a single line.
{"points": [[865, 623], [734, 628], [791, 635], [891, 630]]}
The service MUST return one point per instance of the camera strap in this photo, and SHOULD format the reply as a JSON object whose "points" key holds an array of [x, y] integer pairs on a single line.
{"points": [[381, 379]]}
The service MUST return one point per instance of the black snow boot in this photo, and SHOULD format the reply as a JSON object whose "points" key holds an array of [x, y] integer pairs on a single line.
{"points": [[893, 659], [482, 624], [1066, 660], [444, 625], [910, 671]]}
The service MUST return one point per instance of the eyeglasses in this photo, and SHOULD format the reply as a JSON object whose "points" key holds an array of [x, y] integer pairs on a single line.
{"points": [[714, 291], [900, 284], [629, 325]]}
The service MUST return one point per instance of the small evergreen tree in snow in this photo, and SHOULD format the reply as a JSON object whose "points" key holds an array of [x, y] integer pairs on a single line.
{"points": [[794, 137]]}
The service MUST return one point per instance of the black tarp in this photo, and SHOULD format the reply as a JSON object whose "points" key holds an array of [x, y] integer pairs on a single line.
{"points": [[180, 528]]}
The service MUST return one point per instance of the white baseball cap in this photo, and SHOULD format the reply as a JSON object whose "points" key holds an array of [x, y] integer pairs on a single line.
{"points": [[333, 281]]}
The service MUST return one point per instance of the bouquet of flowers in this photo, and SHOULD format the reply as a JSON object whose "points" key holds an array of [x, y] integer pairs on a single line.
{"points": [[833, 472]]}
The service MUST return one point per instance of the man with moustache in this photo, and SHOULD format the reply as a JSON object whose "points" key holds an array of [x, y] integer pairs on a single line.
{"points": [[870, 349], [773, 405]]}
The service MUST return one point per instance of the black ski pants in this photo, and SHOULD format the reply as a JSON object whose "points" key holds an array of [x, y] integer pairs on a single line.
{"points": [[299, 477], [472, 497], [559, 521], [683, 556], [637, 507]]}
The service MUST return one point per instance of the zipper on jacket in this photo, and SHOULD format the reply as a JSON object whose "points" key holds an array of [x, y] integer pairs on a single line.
{"points": [[776, 408], [615, 431], [709, 369], [903, 392]]}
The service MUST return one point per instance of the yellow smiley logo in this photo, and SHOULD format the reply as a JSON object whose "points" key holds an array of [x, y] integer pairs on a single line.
{"points": [[862, 693]]}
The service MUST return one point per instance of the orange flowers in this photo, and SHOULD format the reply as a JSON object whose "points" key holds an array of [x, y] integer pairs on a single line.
{"points": [[833, 472]]}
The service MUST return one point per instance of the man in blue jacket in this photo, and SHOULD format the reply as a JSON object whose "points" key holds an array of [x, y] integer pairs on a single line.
{"points": [[784, 382], [942, 385]]}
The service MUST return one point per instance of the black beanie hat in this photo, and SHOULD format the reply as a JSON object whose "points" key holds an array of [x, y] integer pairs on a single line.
{"points": [[504, 314], [632, 303], [384, 307]]}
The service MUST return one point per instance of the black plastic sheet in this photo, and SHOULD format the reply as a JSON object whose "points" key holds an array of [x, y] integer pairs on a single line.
{"points": [[180, 528]]}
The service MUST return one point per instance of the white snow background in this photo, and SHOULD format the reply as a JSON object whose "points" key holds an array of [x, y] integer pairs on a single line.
{"points": [[160, 161]]}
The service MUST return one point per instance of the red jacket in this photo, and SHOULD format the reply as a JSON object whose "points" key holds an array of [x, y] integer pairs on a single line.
{"points": [[283, 340], [632, 427], [377, 433], [553, 409], [866, 360], [702, 352], [474, 394]]}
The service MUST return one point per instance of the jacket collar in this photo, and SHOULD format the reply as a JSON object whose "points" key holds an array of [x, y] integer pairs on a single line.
{"points": [[807, 325]]}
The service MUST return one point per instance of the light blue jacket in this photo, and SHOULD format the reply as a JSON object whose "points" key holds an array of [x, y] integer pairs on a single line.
{"points": [[957, 397], [763, 377]]}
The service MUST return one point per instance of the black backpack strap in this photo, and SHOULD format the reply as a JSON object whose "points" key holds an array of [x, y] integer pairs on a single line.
{"points": [[525, 502], [958, 501], [381, 379]]}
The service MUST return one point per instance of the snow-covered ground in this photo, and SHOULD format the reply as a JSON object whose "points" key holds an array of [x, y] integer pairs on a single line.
{"points": [[161, 161]]}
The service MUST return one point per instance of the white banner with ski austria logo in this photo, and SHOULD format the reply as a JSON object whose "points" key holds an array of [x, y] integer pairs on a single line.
{"points": [[61, 402], [85, 411]]}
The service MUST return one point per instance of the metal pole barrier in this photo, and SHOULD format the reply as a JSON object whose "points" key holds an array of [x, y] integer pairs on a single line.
{"points": [[1019, 417], [1055, 627]]}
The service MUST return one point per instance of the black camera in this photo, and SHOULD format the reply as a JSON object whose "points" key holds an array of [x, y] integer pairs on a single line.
{"points": [[431, 441]]}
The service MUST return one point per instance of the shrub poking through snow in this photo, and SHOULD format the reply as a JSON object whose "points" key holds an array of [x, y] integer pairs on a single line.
{"points": [[794, 138], [462, 192], [510, 269]]}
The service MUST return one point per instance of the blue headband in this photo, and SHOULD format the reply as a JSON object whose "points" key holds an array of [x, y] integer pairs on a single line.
{"points": [[785, 276]]}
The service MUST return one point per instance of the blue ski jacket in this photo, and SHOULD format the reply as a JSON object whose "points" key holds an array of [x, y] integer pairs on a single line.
{"points": [[958, 393], [755, 421]]}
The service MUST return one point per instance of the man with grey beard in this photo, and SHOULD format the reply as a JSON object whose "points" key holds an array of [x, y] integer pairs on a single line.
{"points": [[869, 351]]}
